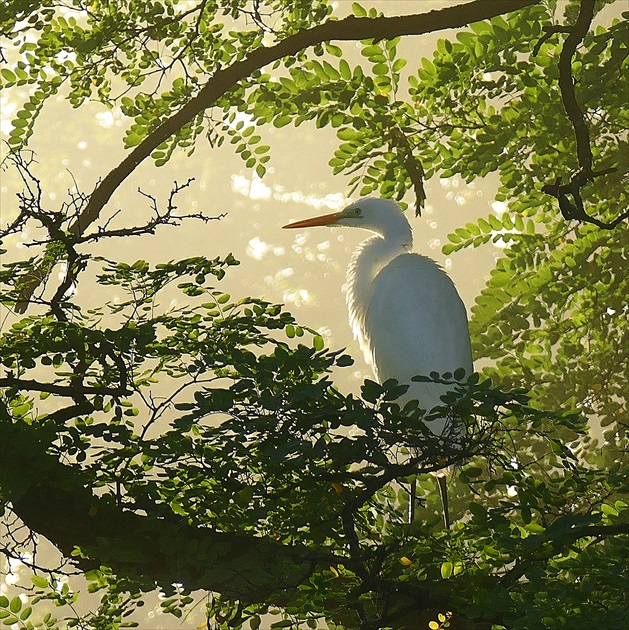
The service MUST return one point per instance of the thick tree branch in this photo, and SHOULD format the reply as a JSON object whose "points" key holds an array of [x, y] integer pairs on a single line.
{"points": [[348, 29], [62, 390], [562, 192], [566, 84], [592, 531], [56, 501]]}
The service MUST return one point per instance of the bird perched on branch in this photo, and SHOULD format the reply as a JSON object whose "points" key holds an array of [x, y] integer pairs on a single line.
{"points": [[403, 308]]}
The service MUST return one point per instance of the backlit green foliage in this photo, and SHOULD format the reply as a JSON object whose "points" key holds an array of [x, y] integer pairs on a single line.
{"points": [[217, 415]]}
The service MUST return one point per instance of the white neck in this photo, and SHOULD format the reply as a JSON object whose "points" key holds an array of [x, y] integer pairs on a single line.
{"points": [[367, 261]]}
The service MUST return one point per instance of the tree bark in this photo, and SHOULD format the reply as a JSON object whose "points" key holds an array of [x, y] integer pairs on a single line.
{"points": [[56, 501]]}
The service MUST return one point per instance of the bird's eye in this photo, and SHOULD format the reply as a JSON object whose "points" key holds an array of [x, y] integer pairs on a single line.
{"points": [[356, 212]]}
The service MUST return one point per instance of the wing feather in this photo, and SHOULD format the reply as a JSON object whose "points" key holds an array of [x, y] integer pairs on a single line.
{"points": [[415, 323]]}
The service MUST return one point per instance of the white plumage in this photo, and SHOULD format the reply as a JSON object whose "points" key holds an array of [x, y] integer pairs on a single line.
{"points": [[403, 308]]}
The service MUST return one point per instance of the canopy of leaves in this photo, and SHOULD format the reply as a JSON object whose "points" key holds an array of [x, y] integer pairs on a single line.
{"points": [[203, 446]]}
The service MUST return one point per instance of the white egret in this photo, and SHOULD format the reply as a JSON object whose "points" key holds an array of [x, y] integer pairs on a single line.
{"points": [[403, 308]]}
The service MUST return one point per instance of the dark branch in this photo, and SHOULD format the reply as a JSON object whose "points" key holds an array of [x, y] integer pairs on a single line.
{"points": [[566, 84], [62, 390], [348, 29], [549, 31], [167, 217], [57, 502], [575, 209]]}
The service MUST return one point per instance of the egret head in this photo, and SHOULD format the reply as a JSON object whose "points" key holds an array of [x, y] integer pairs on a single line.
{"points": [[382, 216]]}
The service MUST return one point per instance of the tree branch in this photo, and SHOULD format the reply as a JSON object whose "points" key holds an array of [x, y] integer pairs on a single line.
{"points": [[591, 531], [57, 502], [566, 84], [168, 217], [348, 29], [575, 209], [62, 390]]}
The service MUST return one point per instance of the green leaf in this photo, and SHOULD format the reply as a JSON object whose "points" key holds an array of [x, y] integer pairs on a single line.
{"points": [[380, 69], [26, 613], [358, 11], [398, 64], [446, 570], [371, 391], [344, 70], [346, 133], [484, 225], [609, 510], [39, 581], [282, 121], [8, 75]]}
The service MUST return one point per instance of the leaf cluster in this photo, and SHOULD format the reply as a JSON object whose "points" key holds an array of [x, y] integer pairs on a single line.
{"points": [[261, 444]]}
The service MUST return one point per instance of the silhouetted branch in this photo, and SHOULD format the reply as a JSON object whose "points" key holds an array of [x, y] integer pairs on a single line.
{"points": [[593, 531], [575, 209], [61, 390], [549, 31], [56, 225], [566, 84], [59, 504], [168, 217]]}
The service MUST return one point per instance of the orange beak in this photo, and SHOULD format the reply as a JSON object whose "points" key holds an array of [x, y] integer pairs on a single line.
{"points": [[326, 219]]}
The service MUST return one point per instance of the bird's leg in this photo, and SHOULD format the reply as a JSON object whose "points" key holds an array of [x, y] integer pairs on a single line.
{"points": [[442, 480], [412, 499]]}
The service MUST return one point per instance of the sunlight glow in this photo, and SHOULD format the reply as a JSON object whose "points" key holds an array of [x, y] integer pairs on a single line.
{"points": [[254, 188], [7, 111], [257, 249], [299, 297], [499, 207]]}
